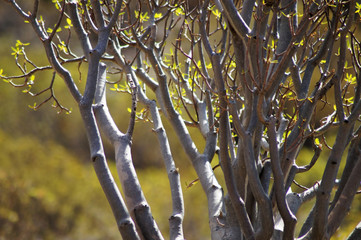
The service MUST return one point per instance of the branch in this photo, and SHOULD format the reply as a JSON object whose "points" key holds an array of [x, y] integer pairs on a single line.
{"points": [[125, 223], [104, 118], [87, 14], [134, 197], [98, 14], [201, 162], [288, 217], [275, 78], [225, 161], [317, 150], [115, 15], [328, 180], [235, 19], [176, 220], [287, 24], [348, 185], [211, 136], [173, 116], [319, 227], [202, 29], [57, 25], [134, 89], [82, 34], [344, 202], [247, 10]]}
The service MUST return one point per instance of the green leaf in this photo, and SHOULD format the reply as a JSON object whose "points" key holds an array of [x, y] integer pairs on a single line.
{"points": [[16, 51], [31, 80], [41, 19], [358, 8], [143, 17], [27, 90], [158, 15], [179, 11], [350, 78], [33, 106], [68, 21], [232, 64], [216, 13], [300, 43], [346, 66], [19, 43]]}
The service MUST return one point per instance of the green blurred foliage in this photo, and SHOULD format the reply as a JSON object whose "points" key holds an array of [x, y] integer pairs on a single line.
{"points": [[46, 193]]}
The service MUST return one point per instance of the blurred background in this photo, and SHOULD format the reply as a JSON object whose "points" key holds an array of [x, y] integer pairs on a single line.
{"points": [[48, 189]]}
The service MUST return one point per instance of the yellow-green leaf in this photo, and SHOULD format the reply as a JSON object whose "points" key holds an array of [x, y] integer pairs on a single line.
{"points": [[158, 15]]}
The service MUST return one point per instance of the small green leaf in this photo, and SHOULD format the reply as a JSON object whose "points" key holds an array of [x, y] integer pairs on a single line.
{"points": [[216, 13], [158, 15], [350, 78], [33, 106], [179, 11], [358, 8], [19, 43], [41, 19], [232, 64], [68, 21]]}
